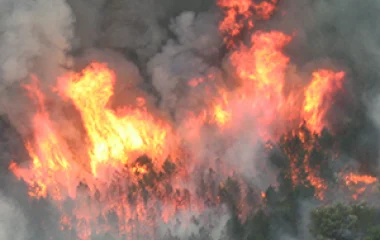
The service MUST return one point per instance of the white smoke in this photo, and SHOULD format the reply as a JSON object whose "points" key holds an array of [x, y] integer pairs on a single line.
{"points": [[33, 33], [13, 224], [34, 39]]}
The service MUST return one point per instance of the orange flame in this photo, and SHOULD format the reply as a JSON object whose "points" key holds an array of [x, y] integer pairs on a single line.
{"points": [[50, 155], [261, 70], [358, 183], [352, 178], [239, 14], [302, 167], [318, 97], [115, 136]]}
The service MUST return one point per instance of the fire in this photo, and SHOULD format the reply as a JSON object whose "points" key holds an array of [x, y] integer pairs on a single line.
{"points": [[319, 95], [263, 195], [359, 183], [115, 136], [299, 147], [131, 160], [262, 66], [50, 155], [221, 116], [352, 178], [261, 72], [240, 14]]}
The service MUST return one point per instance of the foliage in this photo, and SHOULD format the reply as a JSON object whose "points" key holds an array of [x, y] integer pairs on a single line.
{"points": [[373, 234], [341, 221]]}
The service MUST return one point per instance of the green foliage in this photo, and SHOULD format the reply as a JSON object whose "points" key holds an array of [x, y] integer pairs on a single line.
{"points": [[341, 221], [373, 233]]}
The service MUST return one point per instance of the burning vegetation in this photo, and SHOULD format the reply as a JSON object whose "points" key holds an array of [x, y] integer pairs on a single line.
{"points": [[127, 170]]}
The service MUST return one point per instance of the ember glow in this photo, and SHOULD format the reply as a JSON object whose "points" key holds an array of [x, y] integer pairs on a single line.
{"points": [[137, 167], [359, 184], [240, 14]]}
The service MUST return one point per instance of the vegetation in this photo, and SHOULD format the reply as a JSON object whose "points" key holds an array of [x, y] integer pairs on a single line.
{"points": [[339, 221], [282, 212]]}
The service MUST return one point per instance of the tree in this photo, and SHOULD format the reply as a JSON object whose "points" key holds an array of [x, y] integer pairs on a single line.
{"points": [[342, 222], [373, 234]]}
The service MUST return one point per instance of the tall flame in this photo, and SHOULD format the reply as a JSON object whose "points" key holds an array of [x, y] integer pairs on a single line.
{"points": [[115, 136], [50, 155], [130, 160], [319, 95]]}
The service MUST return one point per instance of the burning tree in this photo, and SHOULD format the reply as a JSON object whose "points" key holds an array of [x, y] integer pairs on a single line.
{"points": [[195, 163]]}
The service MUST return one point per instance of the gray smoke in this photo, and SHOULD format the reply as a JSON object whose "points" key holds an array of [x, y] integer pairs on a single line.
{"points": [[13, 224], [33, 35], [185, 58], [34, 39], [137, 27], [167, 43]]}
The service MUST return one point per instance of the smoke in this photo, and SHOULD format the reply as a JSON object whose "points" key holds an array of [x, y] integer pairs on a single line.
{"points": [[343, 31], [137, 28], [33, 34], [374, 106], [189, 225], [345, 34], [34, 39], [185, 58], [167, 44], [13, 224], [195, 54]]}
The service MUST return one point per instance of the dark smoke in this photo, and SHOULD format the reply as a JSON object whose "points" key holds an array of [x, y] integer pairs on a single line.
{"points": [[158, 45]]}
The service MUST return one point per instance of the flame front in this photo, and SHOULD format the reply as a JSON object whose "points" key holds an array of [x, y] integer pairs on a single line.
{"points": [[115, 136], [51, 167], [132, 160], [114, 140], [320, 93]]}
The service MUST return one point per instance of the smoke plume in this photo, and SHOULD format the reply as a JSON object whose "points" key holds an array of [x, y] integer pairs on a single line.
{"points": [[217, 98]]}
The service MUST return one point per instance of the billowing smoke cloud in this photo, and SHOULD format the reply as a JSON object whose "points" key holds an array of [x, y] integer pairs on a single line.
{"points": [[194, 54], [34, 39], [137, 28], [34, 36], [164, 44], [185, 58]]}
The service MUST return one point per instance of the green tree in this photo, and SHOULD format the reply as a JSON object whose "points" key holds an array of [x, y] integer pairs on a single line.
{"points": [[373, 234], [342, 222]]}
